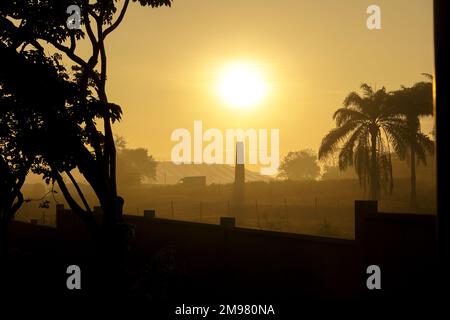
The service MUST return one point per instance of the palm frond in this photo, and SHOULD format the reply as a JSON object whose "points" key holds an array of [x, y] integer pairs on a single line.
{"points": [[385, 172], [346, 153], [423, 145], [398, 138], [427, 75], [367, 90], [353, 99], [331, 141], [362, 160], [343, 115]]}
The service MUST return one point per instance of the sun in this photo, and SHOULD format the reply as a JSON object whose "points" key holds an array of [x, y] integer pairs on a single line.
{"points": [[242, 86]]}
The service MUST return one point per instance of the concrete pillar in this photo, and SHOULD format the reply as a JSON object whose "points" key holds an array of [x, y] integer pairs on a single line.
{"points": [[59, 208], [228, 222], [149, 214]]}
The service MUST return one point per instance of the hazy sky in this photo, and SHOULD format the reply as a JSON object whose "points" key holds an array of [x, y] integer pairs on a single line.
{"points": [[164, 63]]}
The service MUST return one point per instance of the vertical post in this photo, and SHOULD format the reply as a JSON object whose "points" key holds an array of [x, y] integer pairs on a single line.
{"points": [[59, 208], [148, 214], [227, 222], [239, 180], [171, 209]]}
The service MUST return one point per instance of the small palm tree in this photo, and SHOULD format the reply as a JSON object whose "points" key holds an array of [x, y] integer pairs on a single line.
{"points": [[414, 103], [366, 128]]}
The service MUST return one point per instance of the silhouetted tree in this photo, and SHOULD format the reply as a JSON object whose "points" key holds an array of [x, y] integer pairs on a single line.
{"points": [[133, 165], [300, 165], [32, 113], [415, 102], [366, 127], [14, 166], [24, 25]]}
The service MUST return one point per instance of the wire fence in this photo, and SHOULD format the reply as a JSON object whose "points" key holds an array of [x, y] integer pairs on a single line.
{"points": [[298, 216], [312, 215]]}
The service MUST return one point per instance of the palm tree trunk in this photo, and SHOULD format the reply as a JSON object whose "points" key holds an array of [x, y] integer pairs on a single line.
{"points": [[374, 168], [413, 199]]}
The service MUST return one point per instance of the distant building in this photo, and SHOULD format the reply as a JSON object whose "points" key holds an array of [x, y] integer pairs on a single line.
{"points": [[195, 181]]}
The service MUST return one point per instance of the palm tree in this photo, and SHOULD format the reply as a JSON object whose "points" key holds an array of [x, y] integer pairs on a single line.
{"points": [[366, 128], [415, 102]]}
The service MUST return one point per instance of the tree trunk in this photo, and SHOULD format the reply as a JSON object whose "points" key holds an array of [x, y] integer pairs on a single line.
{"points": [[374, 168]]}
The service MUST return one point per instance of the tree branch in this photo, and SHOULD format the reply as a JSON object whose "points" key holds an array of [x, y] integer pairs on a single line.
{"points": [[80, 193], [69, 53], [94, 136], [118, 21], [73, 43], [37, 45], [87, 22], [85, 216]]}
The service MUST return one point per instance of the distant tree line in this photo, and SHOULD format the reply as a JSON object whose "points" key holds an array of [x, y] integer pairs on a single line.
{"points": [[133, 165], [299, 165]]}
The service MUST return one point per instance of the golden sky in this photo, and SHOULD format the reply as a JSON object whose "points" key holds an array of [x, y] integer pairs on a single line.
{"points": [[164, 63]]}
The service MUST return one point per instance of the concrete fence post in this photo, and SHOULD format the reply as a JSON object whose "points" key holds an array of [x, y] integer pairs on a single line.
{"points": [[228, 222], [149, 214], [59, 208]]}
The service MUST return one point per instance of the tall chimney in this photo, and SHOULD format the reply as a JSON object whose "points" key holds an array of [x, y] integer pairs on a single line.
{"points": [[239, 169], [239, 174]]}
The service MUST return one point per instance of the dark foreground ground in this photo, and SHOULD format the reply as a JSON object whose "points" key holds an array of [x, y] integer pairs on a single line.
{"points": [[174, 263], [159, 283]]}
